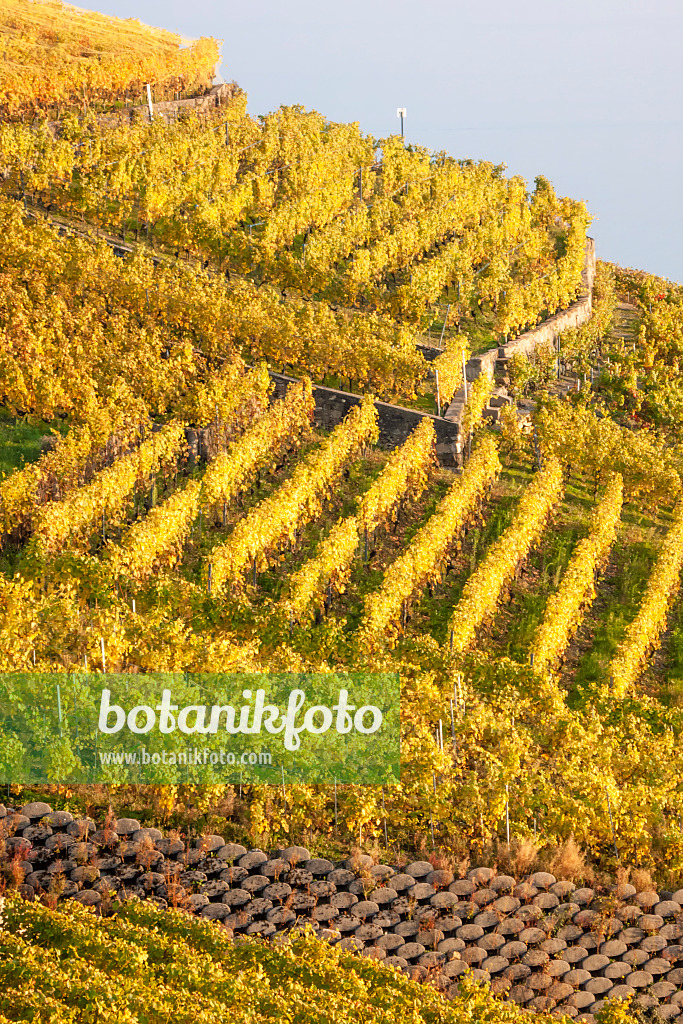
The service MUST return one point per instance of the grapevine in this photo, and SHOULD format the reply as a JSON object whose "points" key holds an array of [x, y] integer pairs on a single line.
{"points": [[64, 522], [420, 563], [404, 475], [577, 589], [644, 633], [276, 519], [483, 589]]}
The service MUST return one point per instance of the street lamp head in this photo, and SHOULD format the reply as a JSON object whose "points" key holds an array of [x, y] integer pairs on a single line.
{"points": [[401, 112]]}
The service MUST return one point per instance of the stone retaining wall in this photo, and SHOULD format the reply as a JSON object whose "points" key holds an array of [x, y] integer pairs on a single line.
{"points": [[546, 333], [218, 95], [396, 423], [542, 943]]}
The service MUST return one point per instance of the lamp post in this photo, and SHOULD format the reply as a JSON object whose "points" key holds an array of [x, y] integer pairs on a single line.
{"points": [[401, 112]]}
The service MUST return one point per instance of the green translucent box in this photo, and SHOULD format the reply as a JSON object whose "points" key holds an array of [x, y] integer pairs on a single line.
{"points": [[204, 728]]}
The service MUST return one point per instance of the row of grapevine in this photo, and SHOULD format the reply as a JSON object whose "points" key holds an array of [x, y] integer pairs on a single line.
{"points": [[478, 394], [644, 633], [576, 592], [162, 533], [284, 428], [160, 331], [596, 445], [404, 476], [448, 368], [330, 567], [578, 344], [276, 519], [640, 367], [232, 395], [105, 434], [369, 351], [483, 589], [62, 523], [421, 562]]}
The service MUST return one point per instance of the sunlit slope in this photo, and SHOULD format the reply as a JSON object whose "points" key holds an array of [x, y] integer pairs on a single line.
{"points": [[55, 55]]}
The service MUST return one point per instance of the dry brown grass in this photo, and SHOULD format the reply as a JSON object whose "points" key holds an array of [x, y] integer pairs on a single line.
{"points": [[147, 854], [441, 862], [642, 880], [568, 863], [525, 857]]}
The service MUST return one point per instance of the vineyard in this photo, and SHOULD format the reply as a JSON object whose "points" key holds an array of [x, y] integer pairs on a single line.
{"points": [[150, 964], [58, 58], [206, 321], [519, 599], [543, 944]]}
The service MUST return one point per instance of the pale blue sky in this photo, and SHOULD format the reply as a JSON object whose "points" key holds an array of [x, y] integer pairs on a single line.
{"points": [[586, 93]]}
